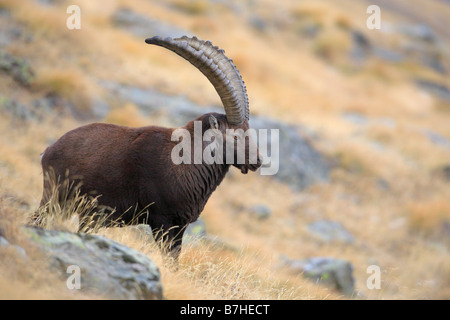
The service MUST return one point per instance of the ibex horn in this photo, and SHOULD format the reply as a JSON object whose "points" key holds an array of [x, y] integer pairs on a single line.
{"points": [[219, 70]]}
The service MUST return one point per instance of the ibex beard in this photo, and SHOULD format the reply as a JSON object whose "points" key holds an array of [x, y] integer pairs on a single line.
{"points": [[132, 169]]}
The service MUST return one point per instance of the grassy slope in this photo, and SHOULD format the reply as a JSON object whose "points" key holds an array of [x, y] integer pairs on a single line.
{"points": [[395, 228]]}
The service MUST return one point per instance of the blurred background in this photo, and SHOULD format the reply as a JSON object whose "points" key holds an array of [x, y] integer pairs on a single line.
{"points": [[363, 115]]}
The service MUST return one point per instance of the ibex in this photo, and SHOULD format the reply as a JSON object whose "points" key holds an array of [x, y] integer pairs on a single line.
{"points": [[130, 169]]}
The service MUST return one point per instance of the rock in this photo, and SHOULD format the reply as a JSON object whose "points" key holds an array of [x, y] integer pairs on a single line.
{"points": [[258, 23], [355, 118], [144, 26], [154, 103], [300, 164], [419, 31], [3, 242], [11, 30], [439, 90], [100, 108], [330, 231], [56, 104], [333, 273], [106, 267], [437, 139], [388, 54], [426, 54], [143, 232], [195, 231], [18, 249], [260, 211], [443, 172], [18, 68], [382, 184], [17, 109], [49, 2], [360, 48]]}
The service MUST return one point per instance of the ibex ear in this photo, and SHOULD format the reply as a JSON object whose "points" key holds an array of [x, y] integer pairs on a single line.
{"points": [[213, 122]]}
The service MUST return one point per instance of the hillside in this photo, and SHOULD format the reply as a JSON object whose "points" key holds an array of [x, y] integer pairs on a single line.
{"points": [[364, 155]]}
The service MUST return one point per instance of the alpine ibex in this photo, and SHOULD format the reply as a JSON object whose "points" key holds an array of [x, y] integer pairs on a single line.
{"points": [[131, 169]]}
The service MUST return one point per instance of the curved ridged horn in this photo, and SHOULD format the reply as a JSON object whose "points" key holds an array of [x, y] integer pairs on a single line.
{"points": [[219, 70]]}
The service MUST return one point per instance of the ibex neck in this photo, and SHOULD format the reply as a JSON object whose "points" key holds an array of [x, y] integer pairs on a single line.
{"points": [[200, 181], [207, 177]]}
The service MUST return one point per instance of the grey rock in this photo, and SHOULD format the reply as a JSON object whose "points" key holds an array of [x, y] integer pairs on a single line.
{"points": [[106, 267], [310, 29], [51, 2], [419, 31], [100, 108], [195, 231], [260, 211], [429, 55], [18, 249], [437, 139], [56, 104], [144, 26], [362, 120], [355, 118], [439, 90], [18, 68], [154, 103], [143, 232], [382, 184], [330, 231], [444, 172], [388, 54], [17, 109], [333, 273], [361, 46], [258, 23], [12, 30], [3, 242], [300, 164]]}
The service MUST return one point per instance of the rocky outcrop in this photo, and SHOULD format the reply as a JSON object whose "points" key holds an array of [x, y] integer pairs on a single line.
{"points": [[333, 273], [106, 268], [330, 231], [16, 67]]}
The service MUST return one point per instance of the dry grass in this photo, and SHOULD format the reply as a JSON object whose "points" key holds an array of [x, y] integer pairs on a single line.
{"points": [[68, 83], [127, 115], [430, 217]]}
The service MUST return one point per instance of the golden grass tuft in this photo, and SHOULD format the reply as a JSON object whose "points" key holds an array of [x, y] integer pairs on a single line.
{"points": [[429, 217], [70, 84], [193, 7], [127, 115]]}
